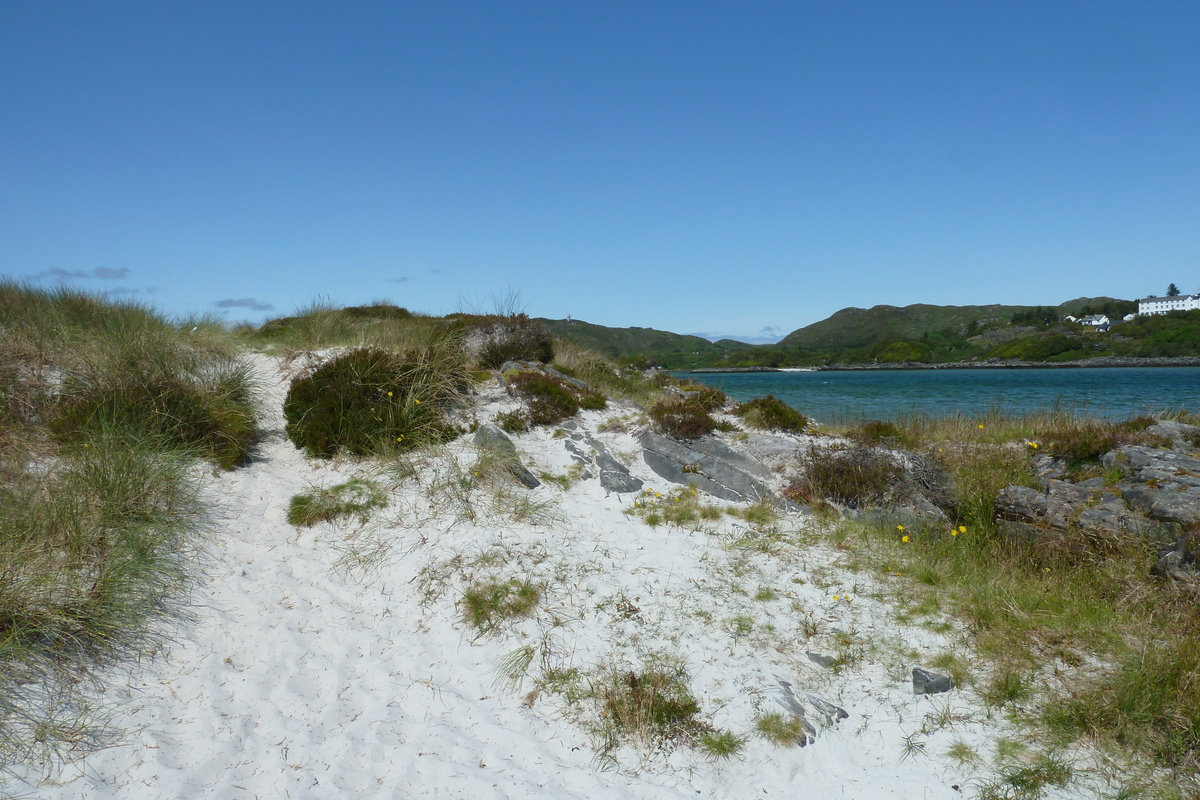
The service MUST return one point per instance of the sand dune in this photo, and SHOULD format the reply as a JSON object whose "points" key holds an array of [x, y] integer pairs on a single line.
{"points": [[333, 661]]}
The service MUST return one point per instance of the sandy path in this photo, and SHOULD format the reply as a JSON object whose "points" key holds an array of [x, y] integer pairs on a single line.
{"points": [[299, 680]]}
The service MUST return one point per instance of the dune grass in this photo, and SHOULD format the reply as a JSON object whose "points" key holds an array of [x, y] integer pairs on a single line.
{"points": [[104, 408]]}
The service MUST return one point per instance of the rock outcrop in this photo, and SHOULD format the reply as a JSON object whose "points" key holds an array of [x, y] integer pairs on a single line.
{"points": [[708, 464], [492, 439]]}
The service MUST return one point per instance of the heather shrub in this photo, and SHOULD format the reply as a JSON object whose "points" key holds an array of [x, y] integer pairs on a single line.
{"points": [[771, 413], [549, 399], [371, 401], [686, 417], [856, 478]]}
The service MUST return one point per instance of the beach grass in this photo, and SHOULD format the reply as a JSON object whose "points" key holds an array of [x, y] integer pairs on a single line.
{"points": [[106, 408]]}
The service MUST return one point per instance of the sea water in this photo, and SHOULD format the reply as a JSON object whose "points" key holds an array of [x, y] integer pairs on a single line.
{"points": [[856, 395]]}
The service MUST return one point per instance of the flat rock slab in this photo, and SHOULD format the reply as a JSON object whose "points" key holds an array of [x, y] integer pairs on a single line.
{"points": [[708, 464], [1167, 505]]}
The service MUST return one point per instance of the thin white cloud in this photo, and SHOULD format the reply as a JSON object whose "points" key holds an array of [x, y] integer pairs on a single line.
{"points": [[103, 273], [244, 302]]}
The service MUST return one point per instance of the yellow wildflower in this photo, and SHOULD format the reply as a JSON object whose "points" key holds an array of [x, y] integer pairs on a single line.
{"points": [[904, 539], [981, 426], [962, 528], [899, 527], [389, 394]]}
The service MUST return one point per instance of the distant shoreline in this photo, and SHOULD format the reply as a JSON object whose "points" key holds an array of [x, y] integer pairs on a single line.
{"points": [[1091, 363]]}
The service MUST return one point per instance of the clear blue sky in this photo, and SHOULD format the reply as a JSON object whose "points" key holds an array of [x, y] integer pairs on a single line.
{"points": [[690, 166]]}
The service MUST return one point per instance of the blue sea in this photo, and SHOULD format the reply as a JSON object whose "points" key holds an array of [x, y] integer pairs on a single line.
{"points": [[834, 397]]}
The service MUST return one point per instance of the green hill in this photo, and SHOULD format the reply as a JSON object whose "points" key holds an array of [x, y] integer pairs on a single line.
{"points": [[672, 350], [853, 328], [921, 333]]}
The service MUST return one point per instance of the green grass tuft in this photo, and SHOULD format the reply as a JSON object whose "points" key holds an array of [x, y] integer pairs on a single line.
{"points": [[356, 497], [487, 604]]}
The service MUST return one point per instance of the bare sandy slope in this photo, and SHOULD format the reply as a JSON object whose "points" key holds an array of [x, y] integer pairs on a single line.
{"points": [[334, 662]]}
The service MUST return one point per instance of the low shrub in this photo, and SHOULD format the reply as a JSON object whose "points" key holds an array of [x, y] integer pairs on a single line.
{"points": [[371, 401], [655, 705], [1084, 441], [1080, 443], [877, 432], [781, 730], [709, 398], [686, 418], [355, 497], [771, 413], [856, 478], [512, 422], [549, 399]]}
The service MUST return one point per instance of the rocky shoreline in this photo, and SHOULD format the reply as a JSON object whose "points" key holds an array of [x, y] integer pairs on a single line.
{"points": [[991, 363]]}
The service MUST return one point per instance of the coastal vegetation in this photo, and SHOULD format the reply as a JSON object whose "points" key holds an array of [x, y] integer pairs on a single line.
{"points": [[108, 409], [917, 334], [1078, 635], [105, 408]]}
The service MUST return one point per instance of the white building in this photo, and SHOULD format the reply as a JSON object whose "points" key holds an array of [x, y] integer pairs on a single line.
{"points": [[1161, 305], [1095, 320]]}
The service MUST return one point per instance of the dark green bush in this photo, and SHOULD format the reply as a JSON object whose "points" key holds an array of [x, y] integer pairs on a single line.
{"points": [[549, 399], [771, 413], [655, 704], [370, 401], [512, 423]]}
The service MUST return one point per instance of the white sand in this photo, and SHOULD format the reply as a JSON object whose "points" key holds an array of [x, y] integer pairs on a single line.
{"points": [[303, 676]]}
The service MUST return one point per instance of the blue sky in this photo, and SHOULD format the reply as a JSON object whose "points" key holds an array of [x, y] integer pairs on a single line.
{"points": [[728, 168]]}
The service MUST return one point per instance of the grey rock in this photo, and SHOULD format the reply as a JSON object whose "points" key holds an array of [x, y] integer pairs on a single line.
{"points": [[824, 713], [491, 438], [820, 659], [1180, 433], [708, 464], [1146, 463], [1173, 564], [614, 477], [1182, 507], [1111, 516], [1069, 493], [926, 682], [1022, 504], [830, 713], [1047, 467]]}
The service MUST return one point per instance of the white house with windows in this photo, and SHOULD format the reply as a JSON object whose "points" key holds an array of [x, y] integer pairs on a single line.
{"points": [[1161, 305]]}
